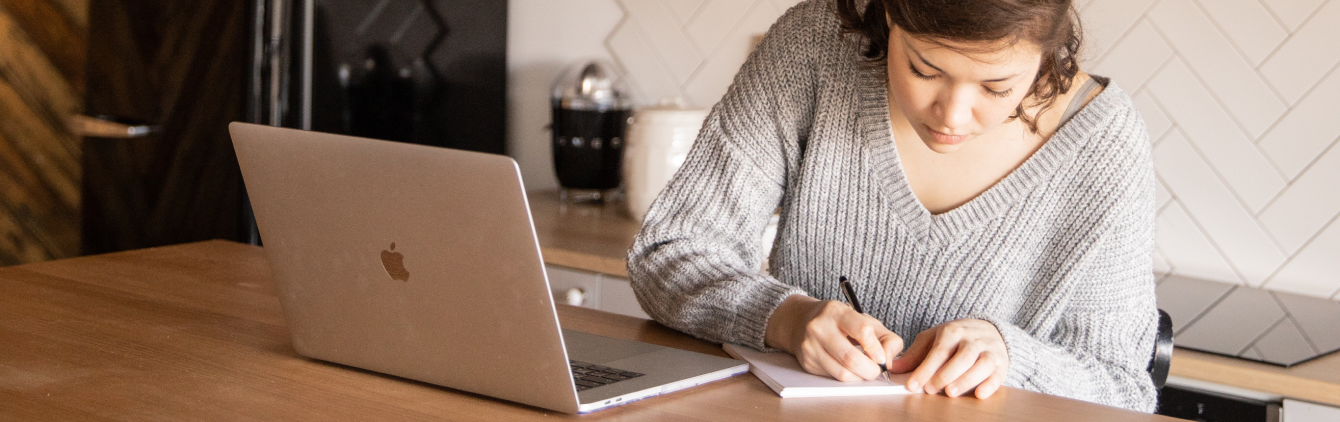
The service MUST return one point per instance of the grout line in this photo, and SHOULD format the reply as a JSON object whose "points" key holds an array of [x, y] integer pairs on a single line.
{"points": [[1155, 74], [1159, 103], [1171, 197], [1212, 305], [1301, 248], [1225, 34], [1222, 106], [1289, 316], [627, 72], [694, 16], [1219, 250], [1290, 109], [1278, 21], [720, 44], [1301, 172], [1286, 40], [1232, 192], [1125, 33], [1263, 334]]}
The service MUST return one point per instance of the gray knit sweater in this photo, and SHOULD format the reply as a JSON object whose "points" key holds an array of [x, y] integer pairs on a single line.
{"points": [[1057, 255]]}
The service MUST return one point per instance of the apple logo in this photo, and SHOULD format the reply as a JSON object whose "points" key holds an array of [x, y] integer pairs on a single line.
{"points": [[394, 262]]}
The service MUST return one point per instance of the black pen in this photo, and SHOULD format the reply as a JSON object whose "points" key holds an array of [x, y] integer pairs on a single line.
{"points": [[850, 293]]}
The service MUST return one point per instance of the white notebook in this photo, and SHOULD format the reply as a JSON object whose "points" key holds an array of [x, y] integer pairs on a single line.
{"points": [[780, 371]]}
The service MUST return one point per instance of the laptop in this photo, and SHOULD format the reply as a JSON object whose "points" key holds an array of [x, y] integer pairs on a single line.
{"points": [[422, 262]]}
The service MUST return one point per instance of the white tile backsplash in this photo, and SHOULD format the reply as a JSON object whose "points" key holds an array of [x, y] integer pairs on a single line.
{"points": [[1291, 13], [1187, 250], [1307, 205], [677, 53], [1248, 24], [1156, 120], [1312, 271], [684, 9], [1231, 78], [1105, 22], [1308, 129], [1309, 53], [1244, 90], [1234, 230], [1135, 58], [1232, 154]]}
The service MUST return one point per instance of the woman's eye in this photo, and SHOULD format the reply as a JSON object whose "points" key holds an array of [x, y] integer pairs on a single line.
{"points": [[918, 74], [1000, 94]]}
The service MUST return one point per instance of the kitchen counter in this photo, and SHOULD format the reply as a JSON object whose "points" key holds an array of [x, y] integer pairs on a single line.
{"points": [[596, 238]]}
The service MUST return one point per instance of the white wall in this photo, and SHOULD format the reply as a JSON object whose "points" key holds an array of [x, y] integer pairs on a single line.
{"points": [[1241, 97]]}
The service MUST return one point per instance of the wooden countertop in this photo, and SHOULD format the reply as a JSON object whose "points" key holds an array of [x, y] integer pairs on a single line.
{"points": [[1317, 380], [195, 332], [596, 238], [592, 237]]}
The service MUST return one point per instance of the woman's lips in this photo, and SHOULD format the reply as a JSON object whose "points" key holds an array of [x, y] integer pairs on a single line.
{"points": [[946, 138]]}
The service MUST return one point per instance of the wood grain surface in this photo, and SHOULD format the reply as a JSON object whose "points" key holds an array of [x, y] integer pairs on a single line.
{"points": [[1317, 380], [195, 332], [592, 237], [42, 45]]}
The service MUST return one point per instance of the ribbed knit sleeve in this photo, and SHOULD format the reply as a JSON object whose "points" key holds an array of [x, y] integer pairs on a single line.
{"points": [[1100, 346], [695, 264]]}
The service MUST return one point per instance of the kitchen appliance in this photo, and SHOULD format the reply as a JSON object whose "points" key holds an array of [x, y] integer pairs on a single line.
{"points": [[659, 139], [591, 106]]}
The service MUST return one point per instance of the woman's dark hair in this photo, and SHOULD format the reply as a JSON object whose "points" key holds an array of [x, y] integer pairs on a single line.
{"points": [[1052, 25]]}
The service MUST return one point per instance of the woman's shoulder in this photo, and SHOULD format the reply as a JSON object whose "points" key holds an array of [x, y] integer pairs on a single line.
{"points": [[811, 27]]}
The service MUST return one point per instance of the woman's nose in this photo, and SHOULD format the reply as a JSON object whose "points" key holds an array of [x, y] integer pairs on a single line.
{"points": [[956, 110]]}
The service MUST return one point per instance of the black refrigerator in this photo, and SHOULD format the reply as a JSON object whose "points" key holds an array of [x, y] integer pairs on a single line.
{"points": [[429, 72]]}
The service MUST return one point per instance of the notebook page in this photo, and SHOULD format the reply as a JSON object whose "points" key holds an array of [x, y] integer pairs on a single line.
{"points": [[783, 374]]}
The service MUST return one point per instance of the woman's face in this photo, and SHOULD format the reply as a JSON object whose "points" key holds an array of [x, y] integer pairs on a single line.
{"points": [[950, 97]]}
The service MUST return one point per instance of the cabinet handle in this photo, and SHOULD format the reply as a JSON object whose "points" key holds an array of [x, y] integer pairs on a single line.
{"points": [[109, 127], [574, 296]]}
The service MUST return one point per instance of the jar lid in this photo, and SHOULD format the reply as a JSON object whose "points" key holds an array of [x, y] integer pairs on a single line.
{"points": [[591, 85]]}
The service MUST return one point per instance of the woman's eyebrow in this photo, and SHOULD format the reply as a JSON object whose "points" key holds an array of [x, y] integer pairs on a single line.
{"points": [[923, 61]]}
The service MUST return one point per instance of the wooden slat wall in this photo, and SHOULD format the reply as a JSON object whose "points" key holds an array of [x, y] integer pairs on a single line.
{"points": [[42, 47]]}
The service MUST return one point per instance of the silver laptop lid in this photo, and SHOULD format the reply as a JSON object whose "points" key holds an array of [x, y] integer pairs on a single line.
{"points": [[338, 213]]}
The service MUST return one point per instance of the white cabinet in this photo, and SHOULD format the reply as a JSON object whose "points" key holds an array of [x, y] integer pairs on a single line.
{"points": [[593, 290], [1298, 411]]}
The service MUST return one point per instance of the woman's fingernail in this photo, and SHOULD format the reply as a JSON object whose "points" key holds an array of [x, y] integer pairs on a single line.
{"points": [[912, 386], [952, 390]]}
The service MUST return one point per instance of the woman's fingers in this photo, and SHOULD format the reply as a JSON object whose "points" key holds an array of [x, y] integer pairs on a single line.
{"points": [[963, 359], [992, 383], [851, 358], [914, 354], [981, 369], [817, 360], [862, 328], [893, 345]]}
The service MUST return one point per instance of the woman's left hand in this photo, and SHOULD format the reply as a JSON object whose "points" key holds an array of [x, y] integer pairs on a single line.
{"points": [[956, 357]]}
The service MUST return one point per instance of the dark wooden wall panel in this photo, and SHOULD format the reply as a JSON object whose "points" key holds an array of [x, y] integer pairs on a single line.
{"points": [[42, 44], [180, 65]]}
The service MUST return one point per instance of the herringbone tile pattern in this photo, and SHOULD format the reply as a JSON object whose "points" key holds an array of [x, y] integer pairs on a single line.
{"points": [[688, 48], [1243, 102]]}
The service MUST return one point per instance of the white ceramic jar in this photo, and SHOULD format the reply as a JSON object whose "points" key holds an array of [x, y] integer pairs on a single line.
{"points": [[658, 141]]}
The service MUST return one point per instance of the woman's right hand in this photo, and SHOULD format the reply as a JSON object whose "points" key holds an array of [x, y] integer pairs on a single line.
{"points": [[830, 338]]}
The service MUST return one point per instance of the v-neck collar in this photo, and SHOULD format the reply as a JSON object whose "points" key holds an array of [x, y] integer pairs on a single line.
{"points": [[879, 151]]}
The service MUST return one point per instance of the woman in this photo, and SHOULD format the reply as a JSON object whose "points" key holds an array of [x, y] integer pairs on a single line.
{"points": [[923, 150]]}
